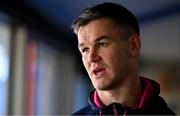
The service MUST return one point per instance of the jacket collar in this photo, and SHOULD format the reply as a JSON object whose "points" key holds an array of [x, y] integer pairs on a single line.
{"points": [[150, 89]]}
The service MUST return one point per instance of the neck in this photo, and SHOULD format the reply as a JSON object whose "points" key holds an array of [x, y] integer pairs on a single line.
{"points": [[126, 94]]}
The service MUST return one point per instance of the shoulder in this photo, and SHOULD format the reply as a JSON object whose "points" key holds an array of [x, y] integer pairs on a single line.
{"points": [[87, 110], [158, 106]]}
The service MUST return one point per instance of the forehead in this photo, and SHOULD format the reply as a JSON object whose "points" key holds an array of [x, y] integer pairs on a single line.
{"points": [[96, 29]]}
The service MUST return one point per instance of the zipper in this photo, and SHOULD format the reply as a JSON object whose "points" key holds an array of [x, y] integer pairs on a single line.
{"points": [[114, 110], [100, 113], [125, 113]]}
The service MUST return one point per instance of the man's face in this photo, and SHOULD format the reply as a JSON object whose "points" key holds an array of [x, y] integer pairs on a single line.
{"points": [[105, 54]]}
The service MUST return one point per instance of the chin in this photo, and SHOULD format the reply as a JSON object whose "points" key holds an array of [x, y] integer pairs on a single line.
{"points": [[102, 88], [105, 87]]}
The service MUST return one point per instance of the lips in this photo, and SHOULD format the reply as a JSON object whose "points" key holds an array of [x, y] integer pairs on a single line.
{"points": [[98, 72]]}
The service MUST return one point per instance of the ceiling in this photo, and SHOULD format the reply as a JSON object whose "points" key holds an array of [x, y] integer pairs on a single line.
{"points": [[63, 12], [155, 43], [54, 17]]}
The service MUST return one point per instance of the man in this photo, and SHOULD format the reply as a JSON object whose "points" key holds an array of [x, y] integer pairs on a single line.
{"points": [[109, 41]]}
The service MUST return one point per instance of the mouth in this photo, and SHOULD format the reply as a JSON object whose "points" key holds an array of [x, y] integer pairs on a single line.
{"points": [[99, 72]]}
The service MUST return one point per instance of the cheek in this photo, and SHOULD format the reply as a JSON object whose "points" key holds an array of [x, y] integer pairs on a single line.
{"points": [[84, 60], [113, 55], [117, 58], [111, 60]]}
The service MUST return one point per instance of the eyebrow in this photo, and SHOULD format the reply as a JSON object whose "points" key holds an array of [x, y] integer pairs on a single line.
{"points": [[96, 40]]}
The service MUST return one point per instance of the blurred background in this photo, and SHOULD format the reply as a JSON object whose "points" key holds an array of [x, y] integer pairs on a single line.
{"points": [[40, 67]]}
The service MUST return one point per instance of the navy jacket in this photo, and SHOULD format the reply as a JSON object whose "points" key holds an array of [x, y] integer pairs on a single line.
{"points": [[151, 104]]}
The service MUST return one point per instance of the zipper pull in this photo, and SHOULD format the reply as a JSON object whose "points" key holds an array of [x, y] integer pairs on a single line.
{"points": [[114, 110], [100, 112]]}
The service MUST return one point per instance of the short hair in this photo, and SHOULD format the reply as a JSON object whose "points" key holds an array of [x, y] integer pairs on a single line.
{"points": [[119, 14]]}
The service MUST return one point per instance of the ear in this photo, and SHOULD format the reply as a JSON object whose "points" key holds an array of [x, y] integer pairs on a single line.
{"points": [[134, 45]]}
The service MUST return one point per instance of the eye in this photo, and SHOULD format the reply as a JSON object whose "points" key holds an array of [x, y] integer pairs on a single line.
{"points": [[102, 44], [84, 50]]}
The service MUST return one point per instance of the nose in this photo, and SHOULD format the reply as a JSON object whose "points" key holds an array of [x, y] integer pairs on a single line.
{"points": [[94, 56]]}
